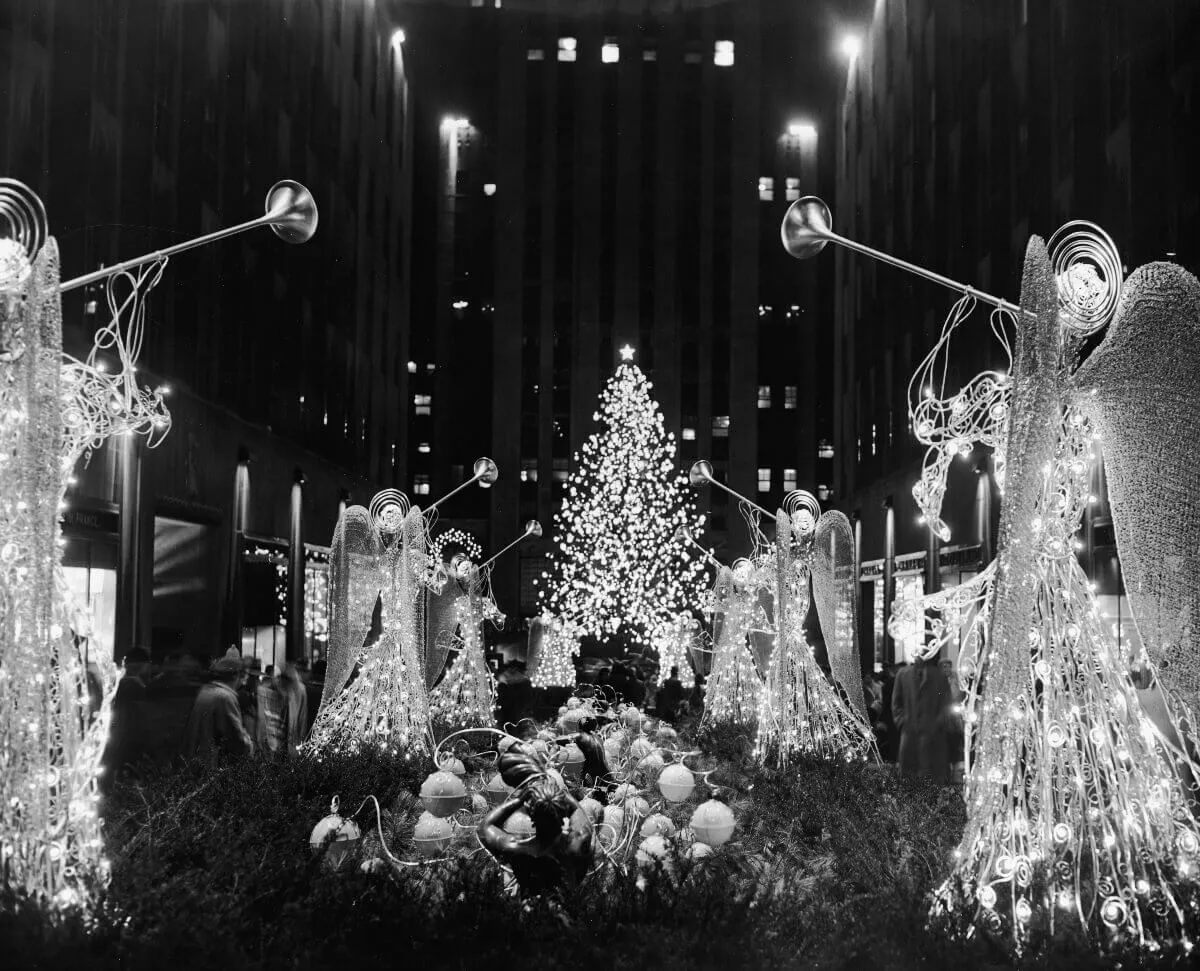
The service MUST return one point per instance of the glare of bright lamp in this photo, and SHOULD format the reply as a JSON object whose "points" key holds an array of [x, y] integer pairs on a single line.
{"points": [[802, 129], [851, 46], [398, 37]]}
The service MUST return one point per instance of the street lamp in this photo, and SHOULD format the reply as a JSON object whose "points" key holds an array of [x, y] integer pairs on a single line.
{"points": [[851, 46]]}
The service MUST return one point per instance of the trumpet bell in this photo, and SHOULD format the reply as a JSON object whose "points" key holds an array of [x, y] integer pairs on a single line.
{"points": [[533, 528], [486, 471], [700, 473], [807, 226], [291, 212]]}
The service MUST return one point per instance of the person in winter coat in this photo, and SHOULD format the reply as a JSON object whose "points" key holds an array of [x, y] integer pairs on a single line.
{"points": [[215, 724], [295, 708], [921, 710]]}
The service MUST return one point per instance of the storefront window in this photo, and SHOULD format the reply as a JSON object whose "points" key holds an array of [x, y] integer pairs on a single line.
{"points": [[94, 590], [316, 603]]}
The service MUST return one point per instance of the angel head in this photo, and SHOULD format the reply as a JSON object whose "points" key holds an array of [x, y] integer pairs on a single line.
{"points": [[743, 572]]}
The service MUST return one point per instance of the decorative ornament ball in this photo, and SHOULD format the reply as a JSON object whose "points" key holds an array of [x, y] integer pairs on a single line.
{"points": [[676, 782], [595, 811], [340, 834], [666, 733], [373, 865], [570, 719], [540, 745], [699, 851], [612, 749], [626, 790], [652, 764], [640, 748], [479, 803], [713, 823], [432, 834], [647, 726], [572, 760], [555, 777], [658, 825], [613, 817], [637, 805], [573, 702], [452, 764], [654, 851], [631, 718], [496, 790], [443, 793], [519, 824]]}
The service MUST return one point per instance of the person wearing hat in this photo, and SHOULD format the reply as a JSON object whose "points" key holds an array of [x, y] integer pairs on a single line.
{"points": [[215, 724]]}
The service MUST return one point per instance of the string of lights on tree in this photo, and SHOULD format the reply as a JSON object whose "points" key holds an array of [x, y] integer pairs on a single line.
{"points": [[617, 565], [554, 658]]}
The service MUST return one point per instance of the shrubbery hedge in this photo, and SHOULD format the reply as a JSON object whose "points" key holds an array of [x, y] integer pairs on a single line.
{"points": [[830, 868]]}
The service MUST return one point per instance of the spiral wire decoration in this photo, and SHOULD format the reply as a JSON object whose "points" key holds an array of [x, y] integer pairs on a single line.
{"points": [[388, 509], [22, 232], [1087, 273], [799, 501]]}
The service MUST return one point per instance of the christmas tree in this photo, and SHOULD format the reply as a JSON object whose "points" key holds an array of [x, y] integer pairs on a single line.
{"points": [[617, 566]]}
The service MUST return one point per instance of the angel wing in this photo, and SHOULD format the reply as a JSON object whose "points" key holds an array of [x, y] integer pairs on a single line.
{"points": [[441, 619], [355, 560], [1141, 387], [835, 589]]}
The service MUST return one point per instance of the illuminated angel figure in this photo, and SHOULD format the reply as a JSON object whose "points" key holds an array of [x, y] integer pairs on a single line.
{"points": [[375, 691], [801, 710], [466, 694], [1075, 809], [735, 686]]}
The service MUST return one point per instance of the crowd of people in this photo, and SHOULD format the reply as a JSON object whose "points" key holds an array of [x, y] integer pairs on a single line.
{"points": [[181, 710]]}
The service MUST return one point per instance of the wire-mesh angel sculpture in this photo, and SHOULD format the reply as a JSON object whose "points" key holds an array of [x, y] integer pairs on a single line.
{"points": [[802, 710], [465, 695], [375, 693], [734, 687], [1076, 811]]}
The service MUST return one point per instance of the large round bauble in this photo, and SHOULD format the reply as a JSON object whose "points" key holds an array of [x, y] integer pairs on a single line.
{"points": [[651, 765], [443, 793], [713, 823], [612, 749], [626, 790], [337, 836], [519, 824], [452, 764], [571, 761], [654, 851], [479, 803], [640, 748], [540, 745], [647, 726], [631, 718], [676, 782], [496, 790], [432, 835], [570, 719], [666, 733], [562, 709], [593, 808], [573, 702], [658, 825], [638, 806], [699, 851]]}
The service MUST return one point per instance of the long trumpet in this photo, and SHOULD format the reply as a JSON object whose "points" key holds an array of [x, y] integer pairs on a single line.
{"points": [[291, 212], [701, 473], [532, 528], [1087, 268], [685, 534], [485, 472]]}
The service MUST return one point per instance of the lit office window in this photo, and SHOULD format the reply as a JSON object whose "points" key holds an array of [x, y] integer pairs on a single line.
{"points": [[764, 396], [566, 48], [789, 397], [650, 55], [412, 367], [529, 470], [610, 53], [764, 480], [424, 448], [560, 470], [720, 426], [793, 189], [422, 404], [766, 189], [824, 492], [789, 480], [420, 485], [689, 434], [535, 54], [723, 53], [824, 449]]}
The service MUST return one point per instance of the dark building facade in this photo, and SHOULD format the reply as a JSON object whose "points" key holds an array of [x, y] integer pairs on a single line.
{"points": [[613, 174], [141, 125], [964, 129]]}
